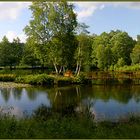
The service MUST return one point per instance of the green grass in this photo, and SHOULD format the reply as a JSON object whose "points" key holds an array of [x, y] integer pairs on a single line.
{"points": [[39, 79], [12, 85], [7, 77], [54, 125], [133, 68], [44, 79], [101, 77]]}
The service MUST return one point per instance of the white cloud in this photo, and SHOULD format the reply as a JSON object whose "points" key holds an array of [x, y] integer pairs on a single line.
{"points": [[11, 10], [11, 35], [135, 5], [131, 5], [87, 9], [22, 37]]}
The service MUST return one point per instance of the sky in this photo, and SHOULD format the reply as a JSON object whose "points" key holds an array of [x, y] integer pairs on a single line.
{"points": [[99, 16]]}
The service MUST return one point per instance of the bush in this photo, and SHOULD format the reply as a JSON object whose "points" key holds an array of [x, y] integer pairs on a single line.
{"points": [[40, 79], [7, 77], [129, 68], [63, 80], [81, 79]]}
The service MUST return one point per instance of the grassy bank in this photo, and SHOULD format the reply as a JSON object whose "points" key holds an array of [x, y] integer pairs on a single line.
{"points": [[75, 126], [44, 79], [131, 68], [94, 78], [13, 85]]}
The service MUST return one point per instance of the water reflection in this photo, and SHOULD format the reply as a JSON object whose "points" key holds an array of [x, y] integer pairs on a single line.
{"points": [[64, 100], [31, 93], [103, 102], [118, 93], [5, 94], [17, 93], [108, 102]]}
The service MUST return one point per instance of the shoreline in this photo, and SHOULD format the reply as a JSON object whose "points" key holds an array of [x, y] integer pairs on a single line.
{"points": [[59, 80], [13, 85]]}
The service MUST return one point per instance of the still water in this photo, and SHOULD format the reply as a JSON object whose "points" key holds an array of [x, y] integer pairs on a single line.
{"points": [[104, 102]]}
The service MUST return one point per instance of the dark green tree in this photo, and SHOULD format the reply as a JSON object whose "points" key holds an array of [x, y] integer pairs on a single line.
{"points": [[29, 57], [101, 40], [17, 51], [10, 53], [135, 55], [116, 47], [122, 45]]}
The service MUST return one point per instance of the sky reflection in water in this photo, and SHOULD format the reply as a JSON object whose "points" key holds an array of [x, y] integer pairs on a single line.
{"points": [[105, 102]]}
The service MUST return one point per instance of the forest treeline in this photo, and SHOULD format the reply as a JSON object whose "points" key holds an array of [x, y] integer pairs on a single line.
{"points": [[55, 39]]}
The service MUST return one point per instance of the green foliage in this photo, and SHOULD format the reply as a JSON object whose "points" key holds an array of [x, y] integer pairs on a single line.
{"points": [[39, 79], [135, 55], [29, 56], [47, 124], [18, 72], [44, 79], [55, 53], [56, 32], [17, 51], [138, 39], [7, 77], [108, 57], [61, 81], [122, 45], [129, 68], [112, 49], [10, 53], [42, 113], [81, 79], [83, 51], [120, 63], [100, 56]]}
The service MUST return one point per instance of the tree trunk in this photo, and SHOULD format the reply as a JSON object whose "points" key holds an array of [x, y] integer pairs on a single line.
{"points": [[63, 69], [76, 68], [56, 70], [60, 69], [79, 69], [78, 64]]}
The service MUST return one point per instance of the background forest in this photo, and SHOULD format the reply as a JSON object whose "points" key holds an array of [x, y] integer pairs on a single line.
{"points": [[58, 42]]}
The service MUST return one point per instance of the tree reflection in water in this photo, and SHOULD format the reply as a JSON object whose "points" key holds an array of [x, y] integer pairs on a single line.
{"points": [[5, 93], [68, 101], [74, 100], [17, 93]]}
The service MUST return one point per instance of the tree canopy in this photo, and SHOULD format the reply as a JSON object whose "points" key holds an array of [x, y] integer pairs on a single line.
{"points": [[52, 28], [56, 39]]}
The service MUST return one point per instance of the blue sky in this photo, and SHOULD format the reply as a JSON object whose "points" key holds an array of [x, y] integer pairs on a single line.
{"points": [[100, 16]]}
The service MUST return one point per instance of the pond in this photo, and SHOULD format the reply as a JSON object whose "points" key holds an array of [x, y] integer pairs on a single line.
{"points": [[103, 102]]}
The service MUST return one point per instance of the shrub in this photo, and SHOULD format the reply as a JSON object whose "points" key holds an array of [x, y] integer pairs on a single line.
{"points": [[7, 77], [81, 79], [63, 80], [40, 79]]}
